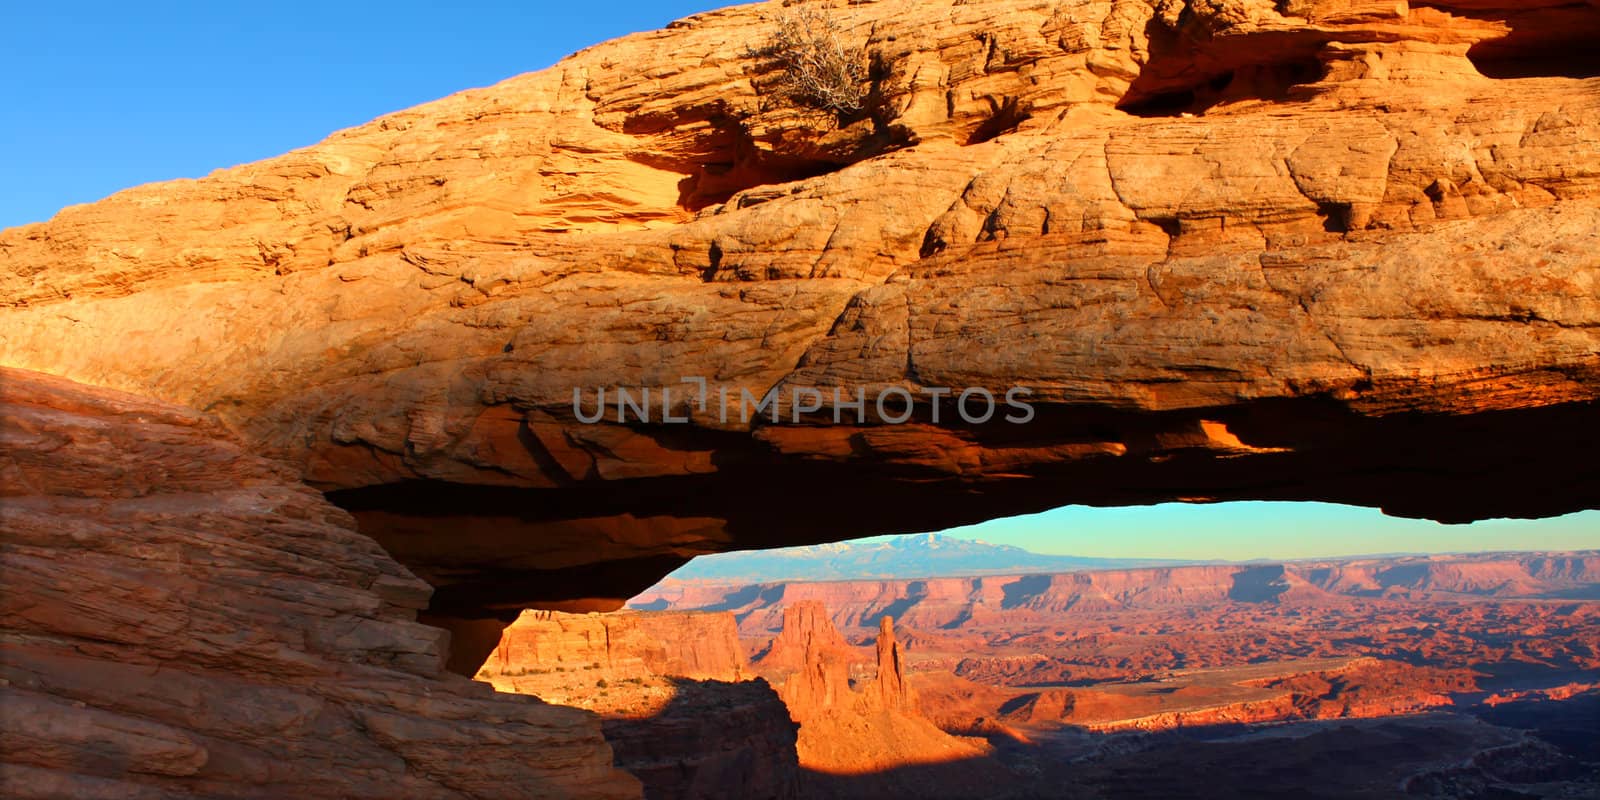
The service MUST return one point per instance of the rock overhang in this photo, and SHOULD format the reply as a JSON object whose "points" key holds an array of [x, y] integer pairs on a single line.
{"points": [[1236, 250]]}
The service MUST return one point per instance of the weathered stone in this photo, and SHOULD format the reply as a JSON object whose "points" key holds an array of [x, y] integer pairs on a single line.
{"points": [[185, 619], [681, 709], [1237, 249]]}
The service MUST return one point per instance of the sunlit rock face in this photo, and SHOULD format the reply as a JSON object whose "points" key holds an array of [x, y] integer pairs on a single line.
{"points": [[613, 647], [859, 740], [1236, 249]]}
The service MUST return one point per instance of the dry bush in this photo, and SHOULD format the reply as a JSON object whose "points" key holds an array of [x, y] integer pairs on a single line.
{"points": [[818, 69]]}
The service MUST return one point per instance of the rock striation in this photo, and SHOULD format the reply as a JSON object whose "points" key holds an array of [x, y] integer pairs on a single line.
{"points": [[1359, 688], [1322, 249], [183, 618], [694, 645], [805, 636], [890, 684]]}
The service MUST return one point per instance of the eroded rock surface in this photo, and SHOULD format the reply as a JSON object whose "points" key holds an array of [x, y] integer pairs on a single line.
{"points": [[874, 734], [681, 709], [185, 619], [1322, 249], [699, 645]]}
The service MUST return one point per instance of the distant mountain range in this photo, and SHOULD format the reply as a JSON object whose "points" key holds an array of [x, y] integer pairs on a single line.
{"points": [[945, 603], [927, 555]]}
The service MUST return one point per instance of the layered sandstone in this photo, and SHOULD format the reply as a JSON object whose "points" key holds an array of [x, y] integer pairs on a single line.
{"points": [[679, 706], [1319, 249], [183, 618], [890, 683], [805, 636], [694, 645], [1359, 688]]}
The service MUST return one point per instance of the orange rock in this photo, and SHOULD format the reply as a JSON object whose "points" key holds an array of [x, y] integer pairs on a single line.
{"points": [[806, 637], [1315, 249], [184, 618], [871, 733], [694, 645], [1319, 249], [890, 684], [679, 708]]}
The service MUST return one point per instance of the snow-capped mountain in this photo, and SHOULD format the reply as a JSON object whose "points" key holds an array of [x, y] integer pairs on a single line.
{"points": [[918, 556]]}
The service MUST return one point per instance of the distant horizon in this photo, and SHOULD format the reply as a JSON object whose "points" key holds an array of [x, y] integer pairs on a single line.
{"points": [[1245, 531], [1271, 530], [849, 561], [1197, 561]]}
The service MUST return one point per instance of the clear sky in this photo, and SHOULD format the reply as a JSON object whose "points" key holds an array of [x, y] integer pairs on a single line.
{"points": [[100, 96], [1240, 531]]}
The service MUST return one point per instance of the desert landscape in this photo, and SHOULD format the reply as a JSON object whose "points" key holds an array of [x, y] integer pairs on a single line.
{"points": [[357, 471], [1075, 679], [1469, 676]]}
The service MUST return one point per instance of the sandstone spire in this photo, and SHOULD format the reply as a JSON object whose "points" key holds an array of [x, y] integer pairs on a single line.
{"points": [[891, 683], [819, 656]]}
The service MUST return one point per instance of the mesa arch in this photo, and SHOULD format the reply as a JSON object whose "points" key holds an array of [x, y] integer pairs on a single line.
{"points": [[1354, 262]]}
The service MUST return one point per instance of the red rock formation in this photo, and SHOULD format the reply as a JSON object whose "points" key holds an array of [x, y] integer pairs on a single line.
{"points": [[872, 733], [674, 692], [1288, 690], [182, 618], [1317, 249], [548, 653], [1155, 649], [697, 646], [819, 683], [1562, 692], [1356, 689], [805, 639], [890, 683], [1301, 250]]}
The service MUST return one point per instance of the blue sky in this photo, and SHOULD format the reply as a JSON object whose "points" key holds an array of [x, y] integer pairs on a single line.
{"points": [[103, 96], [1238, 531], [100, 96]]}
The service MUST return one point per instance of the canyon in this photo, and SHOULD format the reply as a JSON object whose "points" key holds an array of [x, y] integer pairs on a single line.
{"points": [[1073, 680], [690, 716], [290, 451], [1109, 647]]}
